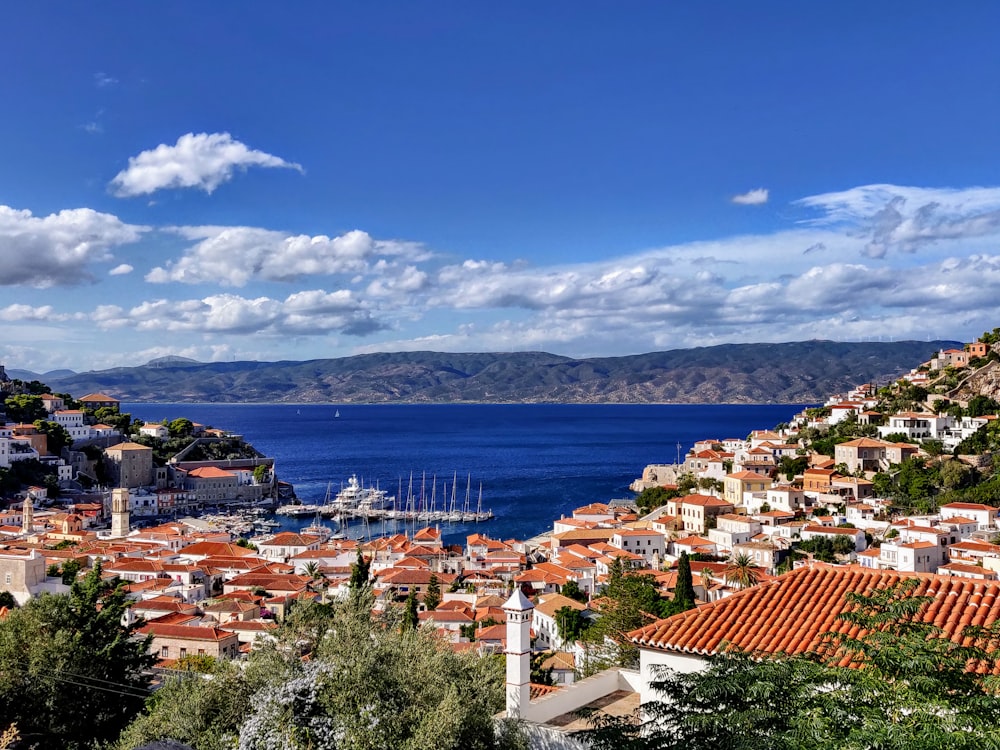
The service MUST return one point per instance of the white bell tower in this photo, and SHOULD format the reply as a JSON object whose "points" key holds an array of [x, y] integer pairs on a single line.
{"points": [[119, 512], [27, 516], [518, 653]]}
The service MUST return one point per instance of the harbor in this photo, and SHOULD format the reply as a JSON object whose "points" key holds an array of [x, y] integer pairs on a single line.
{"points": [[358, 502]]}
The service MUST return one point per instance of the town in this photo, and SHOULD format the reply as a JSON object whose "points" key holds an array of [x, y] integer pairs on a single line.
{"points": [[891, 480]]}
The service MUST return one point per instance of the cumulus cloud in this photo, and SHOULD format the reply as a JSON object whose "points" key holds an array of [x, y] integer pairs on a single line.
{"points": [[306, 313], [233, 256], [103, 80], [58, 249], [197, 160], [121, 269], [21, 313], [818, 278], [757, 197]]}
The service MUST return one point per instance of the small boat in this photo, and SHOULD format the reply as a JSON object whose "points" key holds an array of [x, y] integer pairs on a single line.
{"points": [[336, 413]]}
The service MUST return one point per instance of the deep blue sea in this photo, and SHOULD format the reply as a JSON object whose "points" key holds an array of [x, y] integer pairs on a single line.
{"points": [[536, 462]]}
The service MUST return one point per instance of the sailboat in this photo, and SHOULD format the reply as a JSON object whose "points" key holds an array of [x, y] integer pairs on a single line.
{"points": [[454, 514], [336, 414]]}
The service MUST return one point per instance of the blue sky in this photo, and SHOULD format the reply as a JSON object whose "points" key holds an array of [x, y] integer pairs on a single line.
{"points": [[253, 181]]}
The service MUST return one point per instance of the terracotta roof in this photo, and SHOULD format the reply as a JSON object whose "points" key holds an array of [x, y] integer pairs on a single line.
{"points": [[210, 472], [789, 613], [969, 506], [708, 500], [186, 632]]}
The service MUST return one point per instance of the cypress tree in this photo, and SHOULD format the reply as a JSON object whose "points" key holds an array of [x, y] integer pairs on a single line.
{"points": [[684, 589]]}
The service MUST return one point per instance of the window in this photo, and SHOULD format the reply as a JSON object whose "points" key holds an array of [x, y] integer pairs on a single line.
{"points": [[184, 652], [8, 578], [164, 652]]}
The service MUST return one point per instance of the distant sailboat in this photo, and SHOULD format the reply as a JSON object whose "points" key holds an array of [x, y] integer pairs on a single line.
{"points": [[336, 413]]}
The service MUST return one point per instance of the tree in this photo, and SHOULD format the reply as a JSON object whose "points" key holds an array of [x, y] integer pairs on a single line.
{"points": [[571, 623], [359, 572], [629, 600], [572, 590], [410, 618], [367, 686], [70, 673], [181, 428], [684, 588], [653, 497], [111, 416], [432, 597], [57, 436], [70, 569], [742, 571], [981, 405], [24, 408]]}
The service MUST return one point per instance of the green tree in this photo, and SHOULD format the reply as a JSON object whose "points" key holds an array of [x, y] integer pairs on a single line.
{"points": [[24, 408], [432, 597], [368, 685], [742, 571], [359, 572], [111, 416], [57, 436], [629, 600], [70, 673], [70, 569], [572, 590], [980, 405], [653, 497], [571, 623], [181, 428], [684, 588], [410, 618], [789, 467]]}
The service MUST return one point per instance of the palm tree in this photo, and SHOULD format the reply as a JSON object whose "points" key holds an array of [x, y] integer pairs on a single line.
{"points": [[742, 572], [312, 570]]}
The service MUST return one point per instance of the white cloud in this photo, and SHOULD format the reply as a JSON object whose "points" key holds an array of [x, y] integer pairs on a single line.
{"points": [[234, 256], [305, 313], [814, 279], [907, 219], [21, 313], [121, 270], [58, 249], [197, 160], [757, 197], [103, 80]]}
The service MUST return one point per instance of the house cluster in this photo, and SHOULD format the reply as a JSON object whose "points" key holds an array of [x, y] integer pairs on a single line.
{"points": [[19, 442], [186, 483]]}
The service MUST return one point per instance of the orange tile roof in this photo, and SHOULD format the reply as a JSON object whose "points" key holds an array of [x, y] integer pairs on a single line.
{"points": [[789, 613]]}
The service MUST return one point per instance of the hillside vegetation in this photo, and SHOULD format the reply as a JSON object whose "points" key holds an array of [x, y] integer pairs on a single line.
{"points": [[799, 372]]}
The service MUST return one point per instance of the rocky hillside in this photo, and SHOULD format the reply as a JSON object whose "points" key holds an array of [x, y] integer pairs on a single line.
{"points": [[982, 382], [801, 372]]}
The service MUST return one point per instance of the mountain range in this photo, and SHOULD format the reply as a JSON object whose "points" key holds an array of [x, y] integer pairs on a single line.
{"points": [[796, 372]]}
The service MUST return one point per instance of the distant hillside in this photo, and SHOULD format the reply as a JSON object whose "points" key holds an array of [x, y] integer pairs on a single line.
{"points": [[801, 372]]}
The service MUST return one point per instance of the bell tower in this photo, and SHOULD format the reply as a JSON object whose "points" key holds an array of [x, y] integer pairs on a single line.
{"points": [[119, 512], [27, 516], [518, 653]]}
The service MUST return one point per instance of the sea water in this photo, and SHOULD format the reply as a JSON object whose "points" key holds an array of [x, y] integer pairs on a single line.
{"points": [[535, 462]]}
